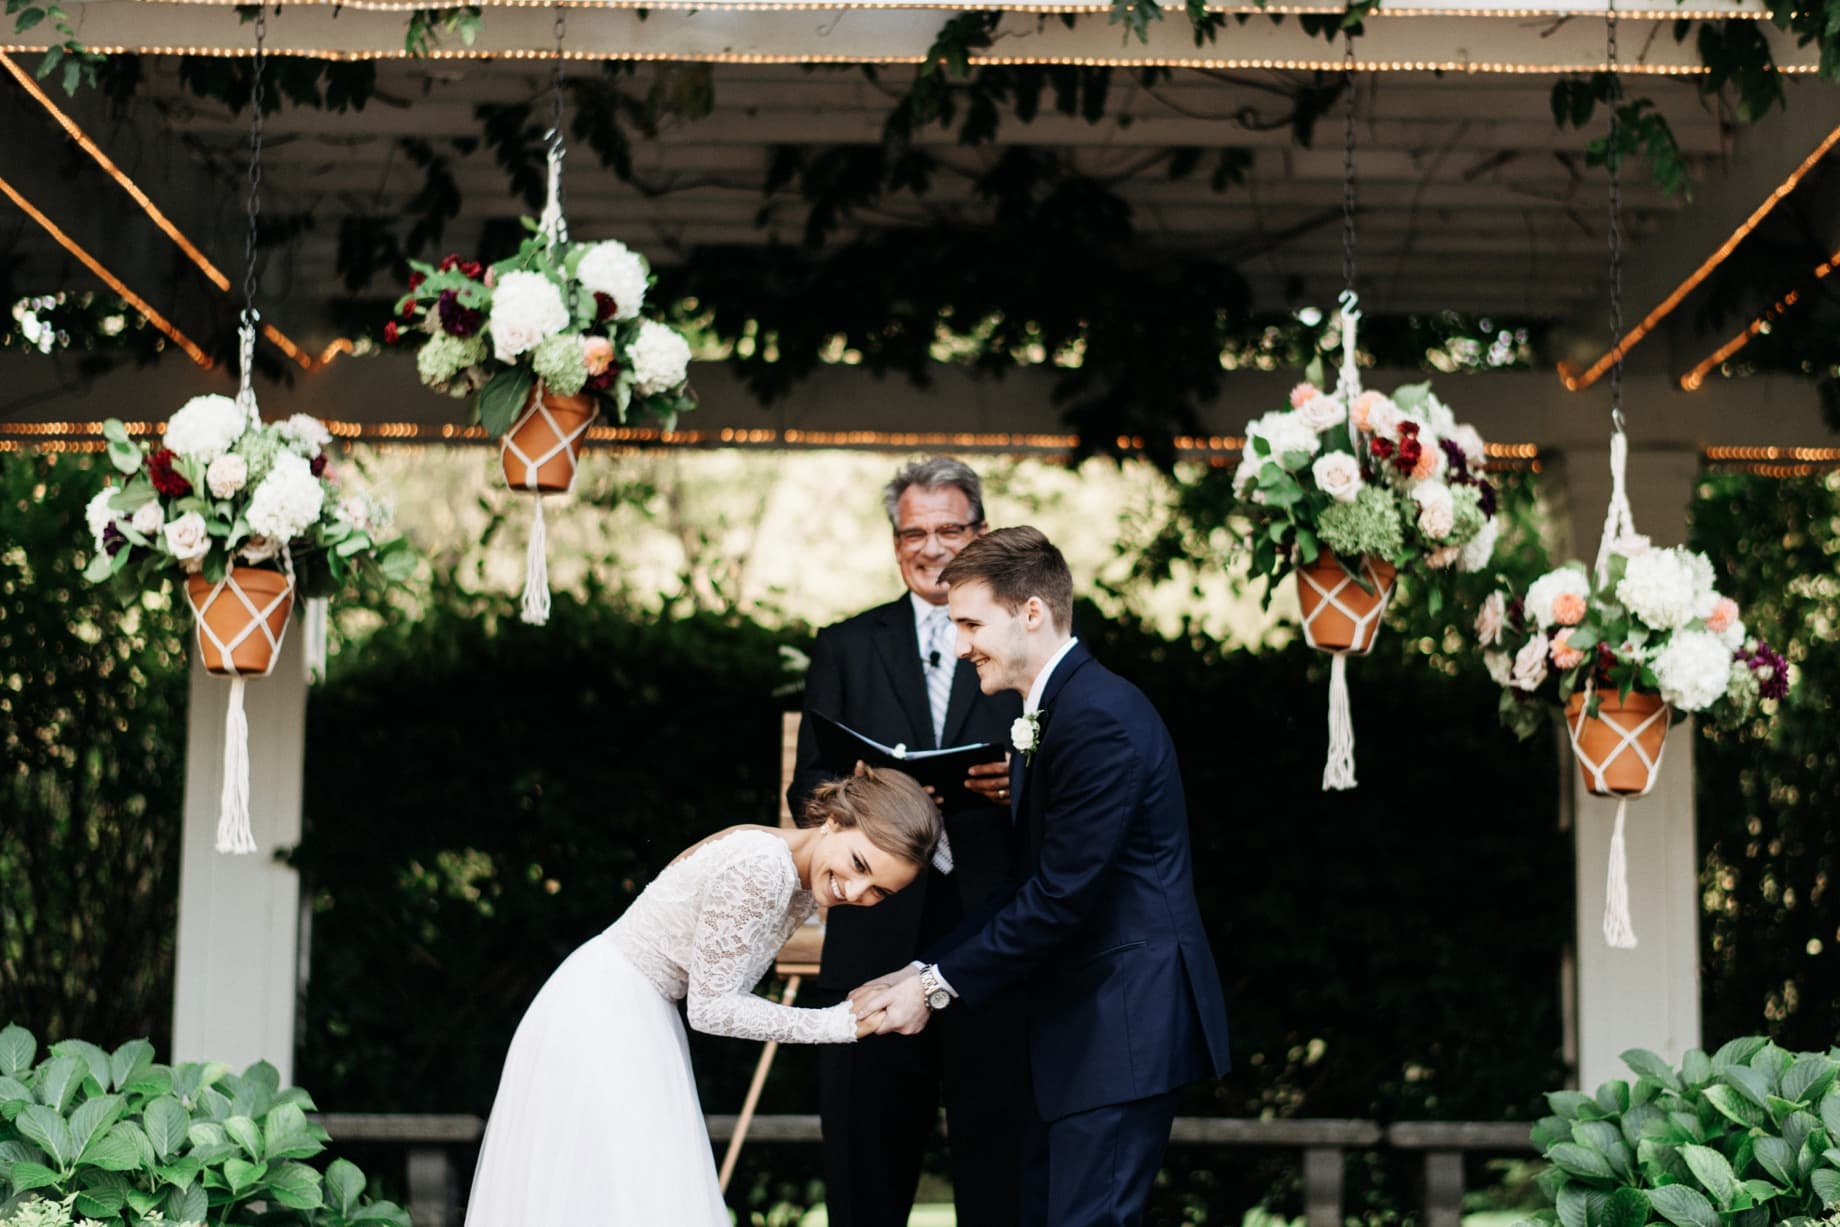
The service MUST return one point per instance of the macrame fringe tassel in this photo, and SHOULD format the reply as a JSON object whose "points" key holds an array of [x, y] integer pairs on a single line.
{"points": [[233, 834], [536, 571], [1338, 772], [1619, 929], [316, 629]]}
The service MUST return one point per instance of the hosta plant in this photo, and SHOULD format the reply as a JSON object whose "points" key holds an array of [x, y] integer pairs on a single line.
{"points": [[117, 1139], [1746, 1137]]}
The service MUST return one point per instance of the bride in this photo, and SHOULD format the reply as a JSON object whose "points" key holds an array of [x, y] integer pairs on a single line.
{"points": [[597, 1118]]}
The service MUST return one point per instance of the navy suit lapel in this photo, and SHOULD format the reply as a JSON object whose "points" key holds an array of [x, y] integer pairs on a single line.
{"points": [[1068, 665], [899, 647]]}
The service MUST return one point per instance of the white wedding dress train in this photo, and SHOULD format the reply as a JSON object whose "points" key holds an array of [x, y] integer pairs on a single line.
{"points": [[597, 1120]]}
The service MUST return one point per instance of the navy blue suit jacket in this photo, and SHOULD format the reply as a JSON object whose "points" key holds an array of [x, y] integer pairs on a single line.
{"points": [[1103, 934]]}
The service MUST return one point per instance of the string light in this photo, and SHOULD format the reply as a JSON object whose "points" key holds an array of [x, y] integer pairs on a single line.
{"points": [[109, 279], [1576, 381]]}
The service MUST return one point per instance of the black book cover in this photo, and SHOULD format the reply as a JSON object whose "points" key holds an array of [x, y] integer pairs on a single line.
{"points": [[840, 747]]}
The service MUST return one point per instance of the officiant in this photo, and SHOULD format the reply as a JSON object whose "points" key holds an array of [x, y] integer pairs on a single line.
{"points": [[892, 674]]}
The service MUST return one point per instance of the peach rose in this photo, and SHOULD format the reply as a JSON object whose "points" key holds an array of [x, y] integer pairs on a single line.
{"points": [[1568, 609], [1362, 404], [1430, 461], [1564, 655], [1724, 613], [596, 355], [1303, 394]]}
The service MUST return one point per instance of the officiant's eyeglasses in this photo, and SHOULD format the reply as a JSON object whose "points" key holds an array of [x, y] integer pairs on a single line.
{"points": [[949, 535]]}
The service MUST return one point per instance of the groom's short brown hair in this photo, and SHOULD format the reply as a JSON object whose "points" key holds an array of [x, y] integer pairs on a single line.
{"points": [[1017, 563]]}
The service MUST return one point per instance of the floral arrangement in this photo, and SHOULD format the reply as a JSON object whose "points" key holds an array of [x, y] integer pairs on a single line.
{"points": [[562, 314], [1656, 625], [219, 490], [1396, 478]]}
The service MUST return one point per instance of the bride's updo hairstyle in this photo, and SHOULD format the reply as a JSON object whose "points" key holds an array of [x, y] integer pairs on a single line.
{"points": [[887, 806]]}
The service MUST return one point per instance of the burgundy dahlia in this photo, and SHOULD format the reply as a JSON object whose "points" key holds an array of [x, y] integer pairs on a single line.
{"points": [[165, 478], [391, 333], [604, 306], [317, 466], [456, 320], [449, 262], [473, 270], [1410, 449], [1383, 448]]}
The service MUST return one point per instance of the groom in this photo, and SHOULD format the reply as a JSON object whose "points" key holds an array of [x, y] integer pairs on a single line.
{"points": [[1122, 995]]}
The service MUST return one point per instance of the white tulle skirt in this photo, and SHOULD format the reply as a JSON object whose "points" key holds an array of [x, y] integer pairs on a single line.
{"points": [[597, 1119]]}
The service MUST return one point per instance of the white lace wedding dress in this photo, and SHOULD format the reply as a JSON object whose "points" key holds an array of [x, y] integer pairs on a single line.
{"points": [[597, 1120]]}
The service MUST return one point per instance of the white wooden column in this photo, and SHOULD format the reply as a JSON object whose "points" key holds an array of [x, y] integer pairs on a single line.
{"points": [[239, 916], [1647, 997]]}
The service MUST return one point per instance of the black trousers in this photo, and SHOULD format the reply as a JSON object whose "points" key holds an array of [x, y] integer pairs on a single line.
{"points": [[879, 1103]]}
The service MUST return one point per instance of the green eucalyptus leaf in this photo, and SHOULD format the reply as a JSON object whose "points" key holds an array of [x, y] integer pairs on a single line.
{"points": [[1738, 1051], [1808, 1079], [1573, 1207], [1567, 1103], [166, 1122], [296, 1186], [1826, 1182], [1735, 1105], [242, 1174], [1752, 1084], [59, 1079], [128, 1062], [344, 1186], [28, 1176], [1777, 1158], [1580, 1161], [92, 1120], [1696, 1068], [1627, 1207], [44, 1127], [189, 1205], [246, 1134]]}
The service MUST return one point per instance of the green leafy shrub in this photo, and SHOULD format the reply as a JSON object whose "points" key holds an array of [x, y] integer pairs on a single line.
{"points": [[118, 1139], [1745, 1137]]}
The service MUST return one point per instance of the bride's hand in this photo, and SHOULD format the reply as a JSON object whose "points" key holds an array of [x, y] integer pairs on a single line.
{"points": [[868, 1024]]}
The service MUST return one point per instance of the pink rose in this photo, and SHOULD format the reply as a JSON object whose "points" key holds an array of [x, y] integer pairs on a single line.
{"points": [[1564, 655], [1489, 619], [1568, 609], [1724, 613], [1303, 394], [596, 355]]}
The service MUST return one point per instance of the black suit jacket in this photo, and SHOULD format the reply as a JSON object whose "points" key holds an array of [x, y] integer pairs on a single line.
{"points": [[866, 672], [1122, 997]]}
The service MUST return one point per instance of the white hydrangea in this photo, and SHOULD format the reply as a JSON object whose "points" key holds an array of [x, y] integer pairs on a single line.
{"points": [[527, 308], [305, 435], [1693, 669], [614, 269], [205, 427], [288, 501], [1480, 548], [659, 357], [1546, 589], [1733, 636], [1667, 588], [1286, 432], [99, 514]]}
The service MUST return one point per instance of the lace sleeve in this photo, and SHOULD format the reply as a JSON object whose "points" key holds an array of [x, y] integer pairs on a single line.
{"points": [[741, 924]]}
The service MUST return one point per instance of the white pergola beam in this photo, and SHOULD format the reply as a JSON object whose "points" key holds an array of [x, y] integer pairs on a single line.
{"points": [[1445, 38]]}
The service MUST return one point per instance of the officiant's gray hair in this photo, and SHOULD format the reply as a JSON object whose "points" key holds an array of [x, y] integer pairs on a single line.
{"points": [[888, 806], [935, 473]]}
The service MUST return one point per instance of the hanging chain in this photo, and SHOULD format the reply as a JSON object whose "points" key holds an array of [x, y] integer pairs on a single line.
{"points": [[1348, 164], [1616, 231], [553, 223], [246, 334]]}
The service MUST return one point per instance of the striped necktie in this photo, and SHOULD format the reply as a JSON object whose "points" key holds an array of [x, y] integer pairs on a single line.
{"points": [[937, 659]]}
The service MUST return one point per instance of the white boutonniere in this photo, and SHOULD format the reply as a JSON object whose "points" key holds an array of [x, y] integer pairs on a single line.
{"points": [[1025, 735]]}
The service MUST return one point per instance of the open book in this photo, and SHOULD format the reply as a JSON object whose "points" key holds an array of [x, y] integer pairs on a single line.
{"points": [[841, 747]]}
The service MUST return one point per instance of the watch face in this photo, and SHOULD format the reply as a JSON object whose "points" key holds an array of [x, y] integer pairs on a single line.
{"points": [[938, 998]]}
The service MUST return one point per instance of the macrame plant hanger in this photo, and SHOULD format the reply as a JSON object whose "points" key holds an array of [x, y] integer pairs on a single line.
{"points": [[233, 831], [1619, 929], [555, 230], [1338, 771]]}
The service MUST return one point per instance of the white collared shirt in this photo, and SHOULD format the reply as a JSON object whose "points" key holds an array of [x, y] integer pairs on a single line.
{"points": [[1032, 704], [923, 613]]}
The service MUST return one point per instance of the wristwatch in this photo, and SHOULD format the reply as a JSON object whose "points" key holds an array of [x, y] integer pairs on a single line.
{"points": [[937, 998]]}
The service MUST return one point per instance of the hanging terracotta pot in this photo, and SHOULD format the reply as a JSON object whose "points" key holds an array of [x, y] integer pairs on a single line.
{"points": [[540, 451], [1338, 614], [1619, 749], [241, 619]]}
